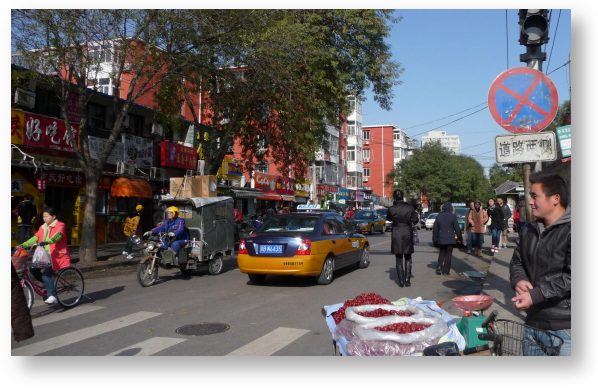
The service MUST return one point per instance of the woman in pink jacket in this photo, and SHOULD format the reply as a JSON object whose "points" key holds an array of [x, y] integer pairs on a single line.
{"points": [[52, 236], [477, 219]]}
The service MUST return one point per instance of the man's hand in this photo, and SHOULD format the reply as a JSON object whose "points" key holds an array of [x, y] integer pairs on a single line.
{"points": [[523, 286], [146, 234], [170, 234], [522, 301]]}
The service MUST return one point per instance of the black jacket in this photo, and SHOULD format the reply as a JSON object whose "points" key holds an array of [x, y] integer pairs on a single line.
{"points": [[445, 227], [543, 256], [403, 218], [495, 212]]}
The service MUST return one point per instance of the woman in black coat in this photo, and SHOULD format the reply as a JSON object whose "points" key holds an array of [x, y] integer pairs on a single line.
{"points": [[403, 217], [445, 229]]}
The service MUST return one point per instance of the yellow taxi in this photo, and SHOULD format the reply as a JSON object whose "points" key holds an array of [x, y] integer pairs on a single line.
{"points": [[369, 221], [302, 244]]}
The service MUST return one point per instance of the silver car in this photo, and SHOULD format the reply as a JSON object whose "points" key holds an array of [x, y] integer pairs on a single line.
{"points": [[430, 220]]}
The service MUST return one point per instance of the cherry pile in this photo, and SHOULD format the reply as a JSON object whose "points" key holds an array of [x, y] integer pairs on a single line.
{"points": [[403, 327], [384, 313], [369, 298]]}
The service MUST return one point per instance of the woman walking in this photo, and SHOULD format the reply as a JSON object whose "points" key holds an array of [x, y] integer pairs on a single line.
{"points": [[403, 218], [52, 236], [446, 233], [496, 224], [478, 218]]}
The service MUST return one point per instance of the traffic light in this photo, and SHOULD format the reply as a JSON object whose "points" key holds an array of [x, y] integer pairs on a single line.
{"points": [[534, 27]]}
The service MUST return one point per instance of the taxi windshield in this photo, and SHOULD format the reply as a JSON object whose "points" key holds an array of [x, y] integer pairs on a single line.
{"points": [[364, 215], [290, 223]]}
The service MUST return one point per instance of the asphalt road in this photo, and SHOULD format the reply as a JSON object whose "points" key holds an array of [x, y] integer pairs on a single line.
{"points": [[281, 318]]}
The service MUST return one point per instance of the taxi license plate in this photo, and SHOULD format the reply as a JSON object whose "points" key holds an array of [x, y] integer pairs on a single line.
{"points": [[270, 249]]}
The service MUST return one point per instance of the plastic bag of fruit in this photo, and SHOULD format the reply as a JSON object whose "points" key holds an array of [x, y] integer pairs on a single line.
{"points": [[370, 313], [358, 347], [404, 330]]}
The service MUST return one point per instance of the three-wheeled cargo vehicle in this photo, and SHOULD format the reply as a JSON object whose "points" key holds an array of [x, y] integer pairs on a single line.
{"points": [[211, 231]]}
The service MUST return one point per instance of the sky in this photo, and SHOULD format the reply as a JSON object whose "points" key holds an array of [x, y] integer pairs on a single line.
{"points": [[450, 58]]}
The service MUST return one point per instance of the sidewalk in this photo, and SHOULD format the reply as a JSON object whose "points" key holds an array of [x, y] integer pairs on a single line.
{"points": [[492, 275], [108, 256]]}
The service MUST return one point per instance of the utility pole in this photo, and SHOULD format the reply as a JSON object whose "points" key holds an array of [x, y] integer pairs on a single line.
{"points": [[533, 34]]}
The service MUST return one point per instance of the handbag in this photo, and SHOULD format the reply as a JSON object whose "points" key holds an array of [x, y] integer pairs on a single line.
{"points": [[41, 258]]}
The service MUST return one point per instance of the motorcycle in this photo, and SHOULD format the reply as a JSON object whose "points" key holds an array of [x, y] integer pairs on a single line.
{"points": [[153, 256]]}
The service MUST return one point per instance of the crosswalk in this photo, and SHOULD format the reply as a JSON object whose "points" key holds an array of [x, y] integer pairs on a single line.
{"points": [[265, 345]]}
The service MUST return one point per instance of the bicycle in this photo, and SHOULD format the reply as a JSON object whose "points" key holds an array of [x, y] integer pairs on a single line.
{"points": [[68, 282]]}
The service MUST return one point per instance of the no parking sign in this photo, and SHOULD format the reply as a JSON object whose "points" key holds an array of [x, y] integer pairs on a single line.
{"points": [[523, 100]]}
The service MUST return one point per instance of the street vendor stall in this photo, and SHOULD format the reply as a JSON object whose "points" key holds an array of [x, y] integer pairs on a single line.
{"points": [[371, 325]]}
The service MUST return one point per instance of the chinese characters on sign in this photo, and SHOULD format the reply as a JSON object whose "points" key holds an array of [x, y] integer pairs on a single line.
{"points": [[177, 156], [564, 134], [524, 148], [43, 132]]}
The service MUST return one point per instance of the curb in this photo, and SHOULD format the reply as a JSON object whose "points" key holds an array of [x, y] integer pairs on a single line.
{"points": [[104, 262]]}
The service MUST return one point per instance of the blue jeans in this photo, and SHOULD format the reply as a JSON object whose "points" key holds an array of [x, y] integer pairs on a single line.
{"points": [[477, 240], [538, 342], [469, 240], [48, 279], [495, 232]]}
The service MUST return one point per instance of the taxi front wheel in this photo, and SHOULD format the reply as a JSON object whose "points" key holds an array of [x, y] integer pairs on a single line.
{"points": [[327, 271]]}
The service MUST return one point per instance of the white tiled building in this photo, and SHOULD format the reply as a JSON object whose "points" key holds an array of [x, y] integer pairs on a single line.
{"points": [[451, 142]]}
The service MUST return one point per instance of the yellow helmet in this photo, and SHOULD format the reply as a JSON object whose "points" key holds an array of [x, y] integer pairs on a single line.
{"points": [[173, 210]]}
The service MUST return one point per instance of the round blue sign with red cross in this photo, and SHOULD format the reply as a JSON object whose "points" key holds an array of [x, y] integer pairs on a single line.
{"points": [[523, 100]]}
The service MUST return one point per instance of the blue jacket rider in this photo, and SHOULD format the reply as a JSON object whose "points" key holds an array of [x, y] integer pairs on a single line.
{"points": [[175, 228]]}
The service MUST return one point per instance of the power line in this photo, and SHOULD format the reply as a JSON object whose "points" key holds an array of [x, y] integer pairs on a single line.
{"points": [[565, 64], [451, 122], [444, 117], [553, 39]]}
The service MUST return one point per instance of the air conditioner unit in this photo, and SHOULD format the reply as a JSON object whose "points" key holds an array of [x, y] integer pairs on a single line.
{"points": [[366, 160], [366, 141], [366, 178], [25, 98], [120, 168], [153, 173], [130, 170], [157, 129]]}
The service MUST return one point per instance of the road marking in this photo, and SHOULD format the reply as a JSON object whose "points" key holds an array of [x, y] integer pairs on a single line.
{"points": [[148, 347], [59, 316], [270, 343], [82, 334]]}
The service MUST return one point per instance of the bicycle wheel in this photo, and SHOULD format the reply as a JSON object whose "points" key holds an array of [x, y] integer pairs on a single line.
{"points": [[69, 286], [29, 293]]}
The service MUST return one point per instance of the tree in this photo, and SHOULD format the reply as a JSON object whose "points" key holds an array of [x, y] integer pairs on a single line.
{"points": [[498, 174], [273, 79], [441, 175], [58, 43]]}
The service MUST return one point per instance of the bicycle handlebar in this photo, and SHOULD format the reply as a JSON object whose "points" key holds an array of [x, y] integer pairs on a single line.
{"points": [[491, 318]]}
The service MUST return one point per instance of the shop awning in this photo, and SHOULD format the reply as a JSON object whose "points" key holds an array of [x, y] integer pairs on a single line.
{"points": [[246, 193], [131, 187], [269, 196]]}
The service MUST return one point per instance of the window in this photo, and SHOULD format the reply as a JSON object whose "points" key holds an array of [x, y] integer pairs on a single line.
{"points": [[397, 153], [331, 226], [366, 135], [96, 116], [262, 167], [351, 129], [366, 155], [366, 173], [351, 153], [47, 103], [135, 124]]}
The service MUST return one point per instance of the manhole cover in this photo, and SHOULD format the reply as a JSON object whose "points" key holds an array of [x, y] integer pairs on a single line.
{"points": [[202, 329]]}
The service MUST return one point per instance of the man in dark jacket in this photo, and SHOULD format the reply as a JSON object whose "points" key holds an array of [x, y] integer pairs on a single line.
{"points": [[403, 218], [26, 212], [540, 269], [446, 233]]}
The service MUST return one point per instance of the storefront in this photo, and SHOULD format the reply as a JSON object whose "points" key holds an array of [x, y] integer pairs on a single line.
{"points": [[277, 191], [302, 191]]}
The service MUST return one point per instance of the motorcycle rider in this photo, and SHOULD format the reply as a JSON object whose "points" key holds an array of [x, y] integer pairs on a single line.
{"points": [[175, 228]]}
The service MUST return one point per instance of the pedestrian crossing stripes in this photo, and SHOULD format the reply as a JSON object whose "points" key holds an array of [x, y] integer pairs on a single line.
{"points": [[265, 345], [59, 316], [82, 334], [270, 343]]}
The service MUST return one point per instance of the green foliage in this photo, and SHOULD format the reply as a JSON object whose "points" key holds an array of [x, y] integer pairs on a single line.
{"points": [[499, 174], [441, 175]]}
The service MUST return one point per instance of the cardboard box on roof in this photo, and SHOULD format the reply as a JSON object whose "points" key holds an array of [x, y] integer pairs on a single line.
{"points": [[193, 186]]}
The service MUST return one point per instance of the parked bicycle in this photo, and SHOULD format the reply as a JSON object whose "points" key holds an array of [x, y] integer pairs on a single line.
{"points": [[69, 282]]}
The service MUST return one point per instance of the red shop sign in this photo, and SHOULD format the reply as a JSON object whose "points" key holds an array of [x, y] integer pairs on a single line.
{"points": [[177, 156], [64, 179], [45, 132]]}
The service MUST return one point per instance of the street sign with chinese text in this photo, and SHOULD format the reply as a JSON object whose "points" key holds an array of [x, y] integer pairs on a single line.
{"points": [[564, 134], [523, 100], [523, 148]]}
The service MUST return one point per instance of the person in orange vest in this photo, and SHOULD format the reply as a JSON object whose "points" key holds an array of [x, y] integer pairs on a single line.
{"points": [[131, 230]]}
